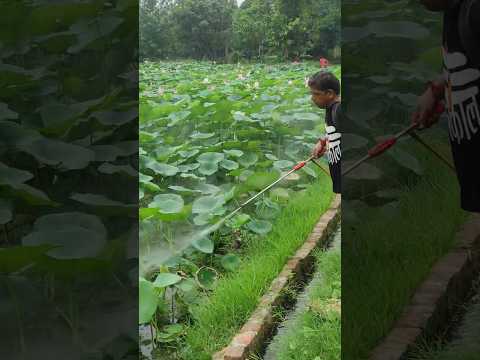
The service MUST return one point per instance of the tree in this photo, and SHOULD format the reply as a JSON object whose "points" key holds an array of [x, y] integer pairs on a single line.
{"points": [[216, 29]]}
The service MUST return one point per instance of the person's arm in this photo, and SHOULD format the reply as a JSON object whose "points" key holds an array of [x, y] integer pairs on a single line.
{"points": [[320, 147], [425, 114]]}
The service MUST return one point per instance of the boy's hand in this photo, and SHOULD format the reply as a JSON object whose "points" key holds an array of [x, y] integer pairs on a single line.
{"points": [[426, 115], [320, 148]]}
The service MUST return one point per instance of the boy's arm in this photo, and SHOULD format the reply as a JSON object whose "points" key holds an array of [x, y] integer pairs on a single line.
{"points": [[424, 114], [320, 148]]}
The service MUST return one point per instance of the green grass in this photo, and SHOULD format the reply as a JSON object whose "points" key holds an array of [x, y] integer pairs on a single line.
{"points": [[236, 296], [387, 253], [465, 346], [315, 333]]}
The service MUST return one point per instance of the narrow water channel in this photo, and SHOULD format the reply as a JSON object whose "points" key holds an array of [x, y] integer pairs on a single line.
{"points": [[464, 341], [271, 352]]}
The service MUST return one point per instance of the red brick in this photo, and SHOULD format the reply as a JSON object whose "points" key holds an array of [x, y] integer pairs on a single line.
{"points": [[261, 320], [396, 344], [245, 338], [235, 353], [416, 316]]}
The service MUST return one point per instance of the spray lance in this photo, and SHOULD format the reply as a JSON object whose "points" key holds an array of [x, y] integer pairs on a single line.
{"points": [[380, 148], [297, 167]]}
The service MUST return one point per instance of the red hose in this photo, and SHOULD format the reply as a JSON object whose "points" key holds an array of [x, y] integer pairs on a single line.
{"points": [[383, 146], [299, 165]]}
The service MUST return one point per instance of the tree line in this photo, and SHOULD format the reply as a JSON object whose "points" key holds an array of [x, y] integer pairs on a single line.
{"points": [[257, 30]]}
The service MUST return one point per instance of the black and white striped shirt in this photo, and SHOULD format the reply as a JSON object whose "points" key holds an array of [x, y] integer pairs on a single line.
{"points": [[462, 97]]}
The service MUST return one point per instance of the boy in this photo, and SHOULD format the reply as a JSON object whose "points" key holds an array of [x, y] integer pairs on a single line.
{"points": [[459, 88], [325, 90]]}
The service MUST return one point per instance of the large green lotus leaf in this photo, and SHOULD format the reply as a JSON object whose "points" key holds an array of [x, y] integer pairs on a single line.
{"points": [[151, 187], [167, 203], [200, 135], [245, 174], [13, 176], [57, 117], [106, 152], [240, 116], [142, 178], [161, 169], [118, 169], [188, 153], [230, 262], [145, 213], [206, 277], [260, 227], [248, 159], [182, 189], [283, 164], [163, 153], [229, 164], [208, 189], [188, 167], [166, 279], [208, 168], [237, 221], [279, 194], [267, 209], [210, 157], [202, 219], [229, 193], [187, 285], [271, 157], [192, 176], [207, 204], [30, 195], [75, 235], [57, 153], [128, 148], [146, 136], [104, 205], [204, 244], [176, 117], [148, 301], [310, 171], [233, 152], [268, 108]]}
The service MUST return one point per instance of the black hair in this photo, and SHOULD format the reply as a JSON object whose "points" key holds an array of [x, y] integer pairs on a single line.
{"points": [[324, 80]]}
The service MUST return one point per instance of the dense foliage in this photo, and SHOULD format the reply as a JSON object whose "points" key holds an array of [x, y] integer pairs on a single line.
{"points": [[211, 136], [68, 178], [258, 29]]}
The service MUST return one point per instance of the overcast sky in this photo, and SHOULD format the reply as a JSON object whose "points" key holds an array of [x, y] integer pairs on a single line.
{"points": [[239, 2]]}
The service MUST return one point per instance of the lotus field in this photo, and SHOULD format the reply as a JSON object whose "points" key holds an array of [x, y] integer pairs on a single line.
{"points": [[211, 136]]}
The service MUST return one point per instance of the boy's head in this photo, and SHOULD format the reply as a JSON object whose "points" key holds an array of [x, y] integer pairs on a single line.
{"points": [[324, 87], [437, 5]]}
